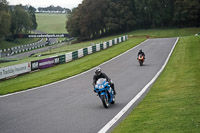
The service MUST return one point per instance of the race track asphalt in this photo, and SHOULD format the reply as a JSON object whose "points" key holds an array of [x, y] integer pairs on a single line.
{"points": [[71, 106]]}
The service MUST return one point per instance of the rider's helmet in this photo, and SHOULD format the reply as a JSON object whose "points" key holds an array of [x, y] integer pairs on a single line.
{"points": [[98, 71], [140, 50]]}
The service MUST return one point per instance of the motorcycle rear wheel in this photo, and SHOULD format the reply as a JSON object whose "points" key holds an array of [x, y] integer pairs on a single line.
{"points": [[141, 63]]}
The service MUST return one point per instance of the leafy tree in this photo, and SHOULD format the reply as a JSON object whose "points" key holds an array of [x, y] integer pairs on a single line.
{"points": [[187, 13], [86, 21], [72, 23], [5, 19], [93, 19], [119, 16], [20, 21], [180, 13], [4, 23], [193, 12], [31, 11], [154, 13]]}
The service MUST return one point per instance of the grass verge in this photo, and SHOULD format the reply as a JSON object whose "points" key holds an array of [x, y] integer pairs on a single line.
{"points": [[169, 32], [173, 103], [65, 70]]}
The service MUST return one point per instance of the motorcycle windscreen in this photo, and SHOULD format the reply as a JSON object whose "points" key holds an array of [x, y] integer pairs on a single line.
{"points": [[101, 81]]}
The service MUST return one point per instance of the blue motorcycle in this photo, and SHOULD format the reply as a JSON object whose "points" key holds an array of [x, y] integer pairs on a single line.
{"points": [[105, 92]]}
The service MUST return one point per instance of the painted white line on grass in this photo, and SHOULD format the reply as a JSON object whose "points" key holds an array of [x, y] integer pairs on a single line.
{"points": [[72, 76], [123, 111]]}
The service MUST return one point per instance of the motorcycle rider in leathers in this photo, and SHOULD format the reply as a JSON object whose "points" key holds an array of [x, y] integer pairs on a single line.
{"points": [[99, 74]]}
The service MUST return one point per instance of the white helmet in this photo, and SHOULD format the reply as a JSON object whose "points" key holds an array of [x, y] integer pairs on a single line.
{"points": [[98, 71]]}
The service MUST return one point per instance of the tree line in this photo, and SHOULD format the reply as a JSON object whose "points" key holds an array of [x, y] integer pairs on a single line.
{"points": [[52, 8], [16, 19], [94, 19]]}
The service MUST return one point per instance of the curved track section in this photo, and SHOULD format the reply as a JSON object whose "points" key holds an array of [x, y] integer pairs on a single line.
{"points": [[71, 106]]}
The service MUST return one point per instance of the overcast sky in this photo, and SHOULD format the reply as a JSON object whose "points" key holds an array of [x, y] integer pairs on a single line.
{"points": [[45, 3]]}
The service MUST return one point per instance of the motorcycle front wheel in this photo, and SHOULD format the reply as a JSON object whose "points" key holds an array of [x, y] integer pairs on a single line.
{"points": [[104, 101], [113, 100]]}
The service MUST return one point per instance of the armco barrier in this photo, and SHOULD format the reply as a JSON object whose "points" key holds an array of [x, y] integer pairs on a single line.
{"points": [[62, 59], [89, 49], [49, 62], [97, 47], [104, 45], [80, 53], [85, 51], [110, 44], [74, 55], [68, 57], [101, 46], [107, 43], [94, 49]]}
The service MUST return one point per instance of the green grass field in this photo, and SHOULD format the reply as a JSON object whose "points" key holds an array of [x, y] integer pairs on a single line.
{"points": [[173, 103], [51, 23]]}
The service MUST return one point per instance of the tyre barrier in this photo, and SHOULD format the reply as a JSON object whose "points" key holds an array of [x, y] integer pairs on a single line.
{"points": [[15, 70], [22, 48]]}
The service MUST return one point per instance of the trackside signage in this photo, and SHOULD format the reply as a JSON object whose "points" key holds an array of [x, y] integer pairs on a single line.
{"points": [[42, 64], [14, 70], [41, 35]]}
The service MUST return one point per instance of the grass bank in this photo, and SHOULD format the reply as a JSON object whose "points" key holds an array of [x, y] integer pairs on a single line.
{"points": [[51, 23], [173, 103], [170, 32], [65, 70]]}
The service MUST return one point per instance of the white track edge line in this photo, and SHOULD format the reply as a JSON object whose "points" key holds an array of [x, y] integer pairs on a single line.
{"points": [[124, 110], [32, 89]]}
